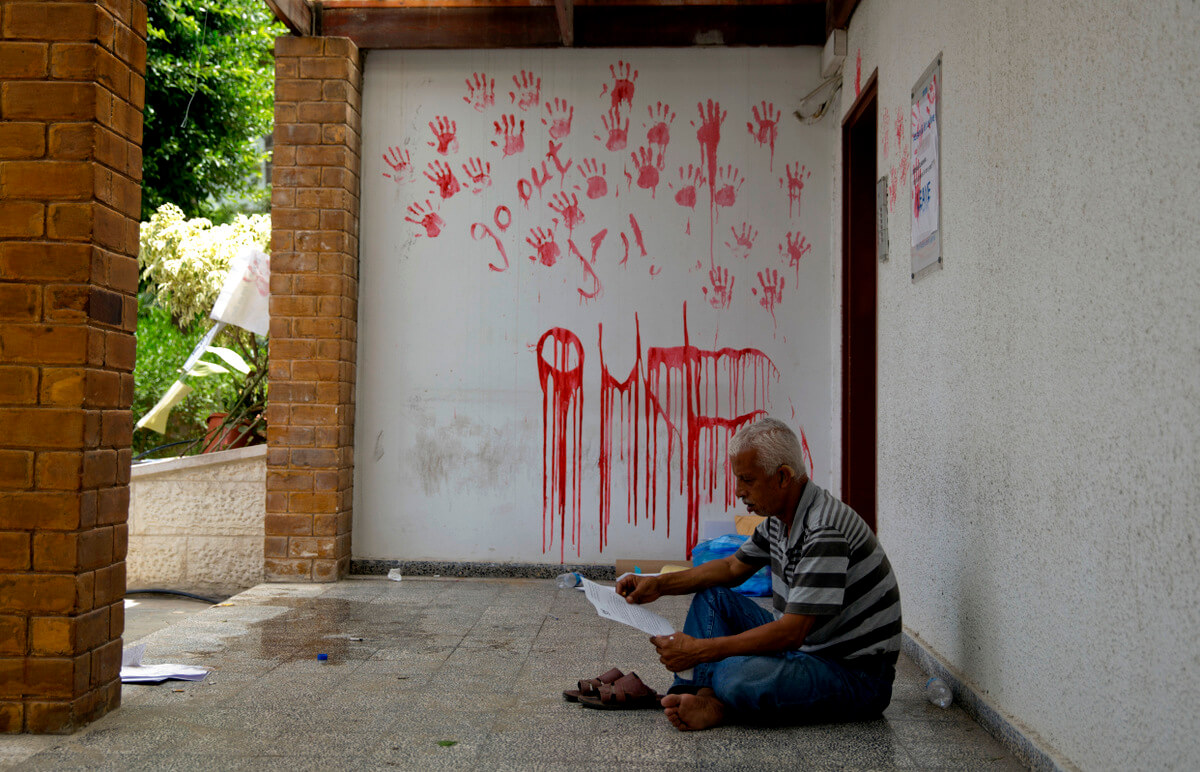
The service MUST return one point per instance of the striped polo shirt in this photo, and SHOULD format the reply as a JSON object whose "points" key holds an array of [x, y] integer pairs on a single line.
{"points": [[831, 567]]}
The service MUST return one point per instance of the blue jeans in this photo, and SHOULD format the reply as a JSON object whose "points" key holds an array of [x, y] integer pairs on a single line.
{"points": [[790, 687]]}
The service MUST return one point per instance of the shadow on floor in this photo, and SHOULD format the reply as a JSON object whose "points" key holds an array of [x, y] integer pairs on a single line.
{"points": [[451, 674]]}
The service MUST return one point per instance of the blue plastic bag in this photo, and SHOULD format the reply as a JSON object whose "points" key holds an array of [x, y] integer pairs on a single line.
{"points": [[759, 584]]}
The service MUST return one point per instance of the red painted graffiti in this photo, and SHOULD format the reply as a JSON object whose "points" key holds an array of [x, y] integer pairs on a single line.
{"points": [[511, 132], [558, 118], [401, 163], [797, 248], [772, 291], [659, 134], [617, 132], [647, 169], [623, 77], [562, 168], [445, 135], [479, 172], [593, 174], [560, 372], [481, 94], [729, 182], [529, 90], [743, 240], [794, 185], [546, 249], [425, 216], [765, 128], [442, 175], [722, 288], [568, 209]]}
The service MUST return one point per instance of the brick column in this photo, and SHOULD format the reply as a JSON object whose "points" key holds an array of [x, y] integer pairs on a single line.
{"points": [[71, 98], [314, 308]]}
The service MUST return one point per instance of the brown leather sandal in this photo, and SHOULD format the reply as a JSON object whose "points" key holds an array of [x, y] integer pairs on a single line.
{"points": [[626, 693], [591, 686]]}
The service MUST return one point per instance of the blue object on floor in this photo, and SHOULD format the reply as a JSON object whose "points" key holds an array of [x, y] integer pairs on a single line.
{"points": [[759, 583]]}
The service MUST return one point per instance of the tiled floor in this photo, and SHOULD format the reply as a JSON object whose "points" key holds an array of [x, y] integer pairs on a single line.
{"points": [[451, 674]]}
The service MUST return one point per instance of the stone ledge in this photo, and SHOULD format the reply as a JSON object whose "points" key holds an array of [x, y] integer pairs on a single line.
{"points": [[147, 468]]}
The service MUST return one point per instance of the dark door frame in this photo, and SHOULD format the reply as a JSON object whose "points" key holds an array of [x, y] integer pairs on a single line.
{"points": [[859, 302]]}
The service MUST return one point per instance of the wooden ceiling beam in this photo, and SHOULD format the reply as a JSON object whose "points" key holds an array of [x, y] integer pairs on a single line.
{"points": [[579, 23], [297, 15]]}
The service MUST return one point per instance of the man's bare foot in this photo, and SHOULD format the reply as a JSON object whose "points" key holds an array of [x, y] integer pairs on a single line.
{"points": [[689, 712]]}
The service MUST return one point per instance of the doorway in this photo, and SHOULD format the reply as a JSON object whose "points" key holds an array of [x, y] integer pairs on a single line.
{"points": [[859, 301]]}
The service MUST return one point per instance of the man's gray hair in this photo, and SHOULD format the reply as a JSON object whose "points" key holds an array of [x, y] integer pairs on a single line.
{"points": [[776, 443]]}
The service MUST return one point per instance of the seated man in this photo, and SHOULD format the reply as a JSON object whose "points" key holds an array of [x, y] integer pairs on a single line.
{"points": [[829, 652]]}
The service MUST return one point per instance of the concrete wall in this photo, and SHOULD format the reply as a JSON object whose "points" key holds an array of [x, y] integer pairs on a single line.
{"points": [[196, 523], [1039, 404], [517, 206]]}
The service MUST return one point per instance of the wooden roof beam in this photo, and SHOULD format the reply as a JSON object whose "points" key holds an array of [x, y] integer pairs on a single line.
{"points": [[297, 15]]}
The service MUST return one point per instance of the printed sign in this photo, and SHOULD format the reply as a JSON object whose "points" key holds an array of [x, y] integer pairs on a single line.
{"points": [[926, 172]]}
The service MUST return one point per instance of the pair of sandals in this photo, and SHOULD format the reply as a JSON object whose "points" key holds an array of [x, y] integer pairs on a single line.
{"points": [[614, 690]]}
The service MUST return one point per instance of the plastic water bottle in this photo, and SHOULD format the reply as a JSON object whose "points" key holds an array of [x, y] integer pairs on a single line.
{"points": [[567, 581], [938, 692]]}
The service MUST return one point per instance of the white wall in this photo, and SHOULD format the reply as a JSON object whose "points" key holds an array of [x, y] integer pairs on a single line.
{"points": [[1039, 405], [450, 458]]}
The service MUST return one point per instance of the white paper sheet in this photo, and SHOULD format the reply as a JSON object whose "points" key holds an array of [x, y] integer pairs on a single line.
{"points": [[612, 606], [134, 672]]}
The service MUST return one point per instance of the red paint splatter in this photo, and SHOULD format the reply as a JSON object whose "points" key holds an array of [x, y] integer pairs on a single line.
{"points": [[797, 248], [637, 234], [546, 250], [425, 216], [659, 134], [597, 240], [743, 240], [624, 77], [560, 372], [593, 174], [772, 291], [589, 272], [479, 172], [647, 168], [568, 209], [478, 231], [618, 133], [562, 168], [765, 128], [512, 133], [442, 175], [794, 184], [858, 73], [722, 288], [558, 118], [482, 93], [401, 163], [445, 135], [709, 137], [529, 90], [625, 396]]}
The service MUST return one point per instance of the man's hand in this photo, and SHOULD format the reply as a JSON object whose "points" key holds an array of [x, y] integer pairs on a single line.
{"points": [[635, 588], [679, 651]]}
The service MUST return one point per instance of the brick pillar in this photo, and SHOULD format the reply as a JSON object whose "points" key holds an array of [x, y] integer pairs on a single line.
{"points": [[314, 308], [71, 98]]}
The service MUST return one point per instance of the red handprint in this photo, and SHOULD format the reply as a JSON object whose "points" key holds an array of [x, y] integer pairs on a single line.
{"points": [[743, 241], [622, 86], [440, 174], [559, 115], [542, 241], [659, 135], [767, 128], [618, 134], [568, 208], [729, 181], [709, 135], [401, 163], [688, 181], [593, 173], [479, 172], [772, 290], [647, 168], [426, 217], [796, 175], [445, 133], [722, 288], [513, 134], [482, 93], [529, 90], [797, 248]]}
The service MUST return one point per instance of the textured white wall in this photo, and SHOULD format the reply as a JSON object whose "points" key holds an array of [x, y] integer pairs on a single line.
{"points": [[1039, 405], [196, 523], [449, 461]]}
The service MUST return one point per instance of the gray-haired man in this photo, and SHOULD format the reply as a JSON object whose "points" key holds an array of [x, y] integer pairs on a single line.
{"points": [[829, 650]]}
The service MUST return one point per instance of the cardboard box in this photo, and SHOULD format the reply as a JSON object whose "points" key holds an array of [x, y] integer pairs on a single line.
{"points": [[626, 565]]}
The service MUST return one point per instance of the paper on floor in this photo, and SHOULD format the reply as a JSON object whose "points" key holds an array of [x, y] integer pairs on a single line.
{"points": [[134, 672]]}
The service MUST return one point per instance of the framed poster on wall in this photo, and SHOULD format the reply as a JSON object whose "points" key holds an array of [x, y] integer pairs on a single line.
{"points": [[926, 195]]}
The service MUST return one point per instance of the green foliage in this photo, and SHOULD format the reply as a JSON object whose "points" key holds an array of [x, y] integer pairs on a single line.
{"points": [[186, 261], [162, 349], [209, 100]]}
